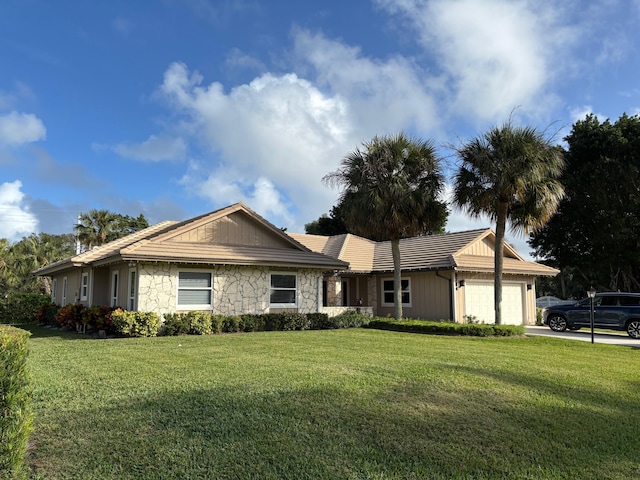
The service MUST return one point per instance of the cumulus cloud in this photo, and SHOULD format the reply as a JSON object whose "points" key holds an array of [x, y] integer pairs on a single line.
{"points": [[15, 218], [281, 129], [154, 149], [20, 128]]}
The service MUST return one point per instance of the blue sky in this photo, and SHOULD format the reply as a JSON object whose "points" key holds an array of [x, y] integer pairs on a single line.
{"points": [[173, 108]]}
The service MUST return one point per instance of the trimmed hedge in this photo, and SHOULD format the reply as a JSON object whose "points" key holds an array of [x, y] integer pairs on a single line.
{"points": [[15, 400], [446, 328], [22, 307], [135, 324]]}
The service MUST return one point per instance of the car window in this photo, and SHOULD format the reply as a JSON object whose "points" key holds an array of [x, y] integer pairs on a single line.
{"points": [[629, 300], [585, 302], [609, 301]]}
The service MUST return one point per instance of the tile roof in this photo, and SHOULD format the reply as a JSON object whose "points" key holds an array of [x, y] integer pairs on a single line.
{"points": [[169, 242], [448, 251]]}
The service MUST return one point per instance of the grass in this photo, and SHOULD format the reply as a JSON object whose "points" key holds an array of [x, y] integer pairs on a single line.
{"points": [[345, 404]]}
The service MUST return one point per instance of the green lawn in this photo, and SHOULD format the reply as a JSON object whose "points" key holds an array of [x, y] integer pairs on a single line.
{"points": [[346, 404]]}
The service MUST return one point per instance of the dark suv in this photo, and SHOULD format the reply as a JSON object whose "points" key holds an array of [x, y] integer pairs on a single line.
{"points": [[612, 310]]}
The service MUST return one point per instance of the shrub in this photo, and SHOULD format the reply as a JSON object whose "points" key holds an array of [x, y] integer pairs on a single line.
{"points": [[199, 322], [349, 320], [216, 323], [15, 400], [446, 327], [175, 324], [251, 322], [231, 324], [22, 307], [318, 321], [135, 324], [294, 321], [70, 316], [46, 314]]}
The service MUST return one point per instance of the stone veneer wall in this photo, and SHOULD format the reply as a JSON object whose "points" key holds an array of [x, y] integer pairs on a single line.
{"points": [[236, 290]]}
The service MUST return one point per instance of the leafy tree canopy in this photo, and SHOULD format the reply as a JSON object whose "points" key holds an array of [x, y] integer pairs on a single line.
{"points": [[594, 238]]}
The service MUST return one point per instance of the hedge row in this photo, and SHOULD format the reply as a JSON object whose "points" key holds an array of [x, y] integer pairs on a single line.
{"points": [[21, 308], [446, 328], [15, 400], [202, 323]]}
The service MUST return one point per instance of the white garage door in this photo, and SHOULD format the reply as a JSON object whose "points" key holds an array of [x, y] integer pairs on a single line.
{"points": [[479, 302]]}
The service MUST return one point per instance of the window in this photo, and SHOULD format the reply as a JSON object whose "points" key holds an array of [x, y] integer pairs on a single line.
{"points": [[195, 290], [64, 291], [283, 290], [387, 292], [132, 291], [84, 286], [114, 288], [54, 287]]}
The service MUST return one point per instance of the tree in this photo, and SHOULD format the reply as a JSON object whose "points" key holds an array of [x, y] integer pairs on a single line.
{"points": [[391, 190], [101, 226], [23, 257], [327, 225], [510, 173], [594, 239]]}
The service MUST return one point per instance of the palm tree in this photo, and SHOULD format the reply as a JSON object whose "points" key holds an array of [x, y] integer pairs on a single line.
{"points": [[510, 174], [391, 190], [95, 227]]}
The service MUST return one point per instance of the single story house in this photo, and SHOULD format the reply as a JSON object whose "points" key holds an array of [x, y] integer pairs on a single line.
{"points": [[444, 277], [233, 261]]}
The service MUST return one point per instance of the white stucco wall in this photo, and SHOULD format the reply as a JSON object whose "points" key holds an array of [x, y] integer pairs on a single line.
{"points": [[236, 290]]}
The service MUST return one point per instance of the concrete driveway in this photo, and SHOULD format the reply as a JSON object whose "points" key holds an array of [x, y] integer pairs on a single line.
{"points": [[584, 335]]}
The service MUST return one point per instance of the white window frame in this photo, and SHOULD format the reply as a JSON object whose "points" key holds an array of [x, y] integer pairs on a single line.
{"points": [[54, 287], [294, 289], [132, 289], [64, 291], [84, 286], [190, 306], [115, 286], [407, 290]]}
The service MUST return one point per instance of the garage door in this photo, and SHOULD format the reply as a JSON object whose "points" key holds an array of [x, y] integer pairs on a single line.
{"points": [[479, 302]]}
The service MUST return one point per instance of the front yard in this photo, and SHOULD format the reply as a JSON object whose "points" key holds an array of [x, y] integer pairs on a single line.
{"points": [[344, 404]]}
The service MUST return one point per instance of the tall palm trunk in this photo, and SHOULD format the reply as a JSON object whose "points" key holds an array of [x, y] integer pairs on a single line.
{"points": [[397, 279], [501, 224]]}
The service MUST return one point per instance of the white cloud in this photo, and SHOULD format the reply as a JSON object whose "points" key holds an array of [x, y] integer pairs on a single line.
{"points": [[154, 149], [19, 128], [579, 113], [383, 96], [495, 54], [280, 129], [15, 218]]}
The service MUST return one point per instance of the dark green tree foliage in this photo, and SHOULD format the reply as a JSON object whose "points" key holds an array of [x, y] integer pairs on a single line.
{"points": [[391, 190], [595, 236], [509, 173], [327, 225]]}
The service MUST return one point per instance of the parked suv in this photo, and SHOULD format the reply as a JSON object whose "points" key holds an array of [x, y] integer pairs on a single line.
{"points": [[612, 310]]}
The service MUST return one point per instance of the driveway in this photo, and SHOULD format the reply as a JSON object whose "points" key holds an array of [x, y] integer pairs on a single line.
{"points": [[585, 336]]}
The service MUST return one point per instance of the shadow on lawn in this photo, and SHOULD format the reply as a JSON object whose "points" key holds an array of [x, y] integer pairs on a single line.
{"points": [[38, 331], [416, 430]]}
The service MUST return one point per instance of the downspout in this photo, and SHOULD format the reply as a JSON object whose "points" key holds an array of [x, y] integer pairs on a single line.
{"points": [[451, 295]]}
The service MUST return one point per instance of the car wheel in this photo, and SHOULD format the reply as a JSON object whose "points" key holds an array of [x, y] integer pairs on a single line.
{"points": [[633, 328], [557, 323]]}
